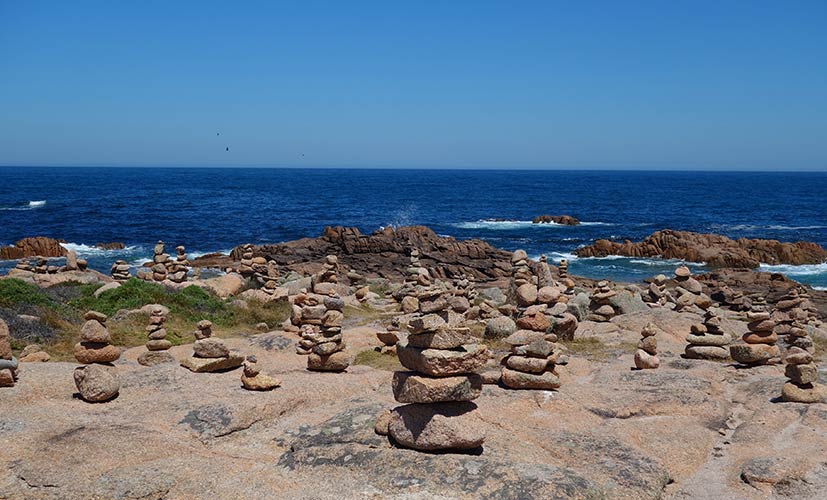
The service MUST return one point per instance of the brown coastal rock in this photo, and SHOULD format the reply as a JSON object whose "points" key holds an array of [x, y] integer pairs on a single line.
{"points": [[38, 246]]}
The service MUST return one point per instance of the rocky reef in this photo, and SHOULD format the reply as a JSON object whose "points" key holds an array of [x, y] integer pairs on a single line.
{"points": [[714, 249]]}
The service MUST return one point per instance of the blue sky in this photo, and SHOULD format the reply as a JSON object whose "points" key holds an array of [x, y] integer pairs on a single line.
{"points": [[679, 84]]}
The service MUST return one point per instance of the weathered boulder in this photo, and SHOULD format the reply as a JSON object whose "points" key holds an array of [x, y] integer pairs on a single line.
{"points": [[97, 383], [437, 426]]}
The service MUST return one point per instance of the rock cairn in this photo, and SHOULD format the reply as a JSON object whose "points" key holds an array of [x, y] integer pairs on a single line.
{"points": [[656, 294], [563, 269], [440, 388], [178, 269], [708, 340], [157, 344], [210, 354], [325, 282], [532, 360], [759, 347], [120, 271], [253, 380], [544, 277], [98, 379], [389, 337], [810, 309], [463, 294], [798, 337], [788, 311], [8, 363], [159, 262], [802, 374], [689, 291], [646, 356], [328, 351], [245, 267], [600, 307]]}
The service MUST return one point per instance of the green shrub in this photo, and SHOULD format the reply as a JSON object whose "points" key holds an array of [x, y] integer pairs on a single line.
{"points": [[14, 292]]}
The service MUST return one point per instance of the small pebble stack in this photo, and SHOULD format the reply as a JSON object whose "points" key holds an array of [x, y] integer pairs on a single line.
{"points": [[157, 344], [601, 303], [646, 356], [160, 261], [657, 296], [327, 352], [210, 354], [178, 269], [802, 372], [707, 340], [98, 380], [759, 347], [689, 291], [253, 380], [120, 271], [532, 360], [245, 267]]}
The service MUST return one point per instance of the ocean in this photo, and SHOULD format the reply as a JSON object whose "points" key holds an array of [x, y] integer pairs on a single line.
{"points": [[215, 209]]}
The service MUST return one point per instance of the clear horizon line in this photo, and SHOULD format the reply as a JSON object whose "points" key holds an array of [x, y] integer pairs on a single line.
{"points": [[435, 168]]}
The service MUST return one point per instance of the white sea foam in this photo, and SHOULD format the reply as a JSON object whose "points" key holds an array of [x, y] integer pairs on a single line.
{"points": [[195, 255], [793, 271], [27, 205], [88, 250], [822, 288], [517, 224], [37, 203], [772, 227]]}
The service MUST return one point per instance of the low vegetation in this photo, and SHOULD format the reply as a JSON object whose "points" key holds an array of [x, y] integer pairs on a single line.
{"points": [[379, 360]]}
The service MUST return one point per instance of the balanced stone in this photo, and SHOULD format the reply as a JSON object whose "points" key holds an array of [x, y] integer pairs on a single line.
{"points": [[601, 306], [253, 380], [647, 349], [708, 340], [210, 354], [759, 347], [99, 381]]}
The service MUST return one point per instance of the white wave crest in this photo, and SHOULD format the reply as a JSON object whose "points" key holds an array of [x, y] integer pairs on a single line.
{"points": [[37, 203], [88, 250], [792, 271], [494, 224], [821, 288], [772, 227], [26, 205]]}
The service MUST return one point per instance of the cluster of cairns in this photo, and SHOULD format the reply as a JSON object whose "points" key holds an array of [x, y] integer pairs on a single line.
{"points": [[41, 265], [157, 344], [98, 379], [732, 300], [759, 347], [253, 379], [257, 269], [600, 307], [8, 363], [689, 291], [210, 354], [438, 391], [708, 340], [646, 356]]}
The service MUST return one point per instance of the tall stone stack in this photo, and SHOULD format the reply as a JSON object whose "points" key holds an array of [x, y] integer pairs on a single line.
{"points": [[810, 309], [708, 340], [463, 294], [646, 356], [802, 373], [798, 337], [120, 271], [788, 311], [97, 380], [600, 307], [8, 363], [210, 354], [563, 269], [157, 344], [178, 269], [328, 350], [417, 278], [520, 272], [245, 267], [544, 277], [439, 388], [759, 347], [159, 262], [689, 291]]}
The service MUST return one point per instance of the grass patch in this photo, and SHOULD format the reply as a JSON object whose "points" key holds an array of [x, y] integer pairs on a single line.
{"points": [[364, 314], [15, 292], [381, 361]]}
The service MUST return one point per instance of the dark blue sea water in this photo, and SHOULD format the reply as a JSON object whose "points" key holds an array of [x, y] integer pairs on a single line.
{"points": [[216, 209]]}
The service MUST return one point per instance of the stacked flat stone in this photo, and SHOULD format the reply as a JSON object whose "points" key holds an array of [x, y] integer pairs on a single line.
{"points": [[389, 337], [646, 356], [42, 267], [462, 295], [802, 373], [532, 360], [120, 271], [325, 282], [563, 269], [656, 294], [708, 340], [544, 278], [798, 337], [810, 309], [210, 354], [8, 363], [417, 278], [245, 267], [157, 344], [440, 388], [321, 332], [689, 291], [178, 269], [253, 380], [159, 262], [760, 342], [787, 311], [521, 270], [98, 379], [600, 307], [271, 288]]}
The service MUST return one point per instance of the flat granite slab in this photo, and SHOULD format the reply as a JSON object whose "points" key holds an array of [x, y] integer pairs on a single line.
{"points": [[199, 365]]}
